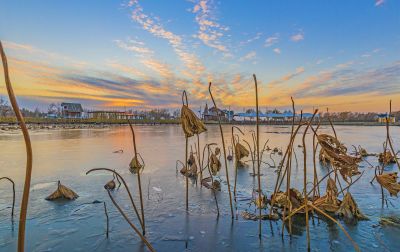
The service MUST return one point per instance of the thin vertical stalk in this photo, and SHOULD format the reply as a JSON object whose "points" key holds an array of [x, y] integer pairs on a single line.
{"points": [[258, 156], [13, 203], [223, 146], [236, 161], [289, 171], [315, 146], [211, 176], [107, 220], [184, 95], [198, 159], [28, 148], [186, 170], [138, 177], [305, 178]]}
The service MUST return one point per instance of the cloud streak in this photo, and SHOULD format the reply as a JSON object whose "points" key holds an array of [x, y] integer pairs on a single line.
{"points": [[210, 31]]}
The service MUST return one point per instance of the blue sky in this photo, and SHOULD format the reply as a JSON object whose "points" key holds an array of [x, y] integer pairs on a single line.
{"points": [[339, 54]]}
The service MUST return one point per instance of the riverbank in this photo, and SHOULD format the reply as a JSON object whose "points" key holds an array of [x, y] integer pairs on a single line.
{"points": [[7, 124]]}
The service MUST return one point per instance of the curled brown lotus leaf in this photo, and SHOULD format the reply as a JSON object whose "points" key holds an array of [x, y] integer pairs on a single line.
{"points": [[240, 151], [363, 152], [389, 182], [261, 203], [191, 163], [135, 165], [349, 171], [252, 216], [349, 209], [331, 186], [335, 153], [62, 192], [386, 158], [215, 164], [329, 202], [206, 182], [390, 221], [280, 199], [191, 124]]}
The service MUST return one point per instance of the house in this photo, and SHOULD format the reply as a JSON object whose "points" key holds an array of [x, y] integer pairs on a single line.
{"points": [[382, 118], [212, 114], [71, 110]]}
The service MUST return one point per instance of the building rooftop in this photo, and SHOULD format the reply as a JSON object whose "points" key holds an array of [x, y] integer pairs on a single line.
{"points": [[72, 107]]}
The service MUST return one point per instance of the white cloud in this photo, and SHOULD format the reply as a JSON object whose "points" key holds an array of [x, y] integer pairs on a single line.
{"points": [[141, 50], [153, 26], [248, 56], [270, 41], [277, 51], [210, 32], [297, 37]]}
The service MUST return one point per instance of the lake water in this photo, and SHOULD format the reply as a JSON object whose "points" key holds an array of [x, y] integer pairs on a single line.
{"points": [[66, 155]]}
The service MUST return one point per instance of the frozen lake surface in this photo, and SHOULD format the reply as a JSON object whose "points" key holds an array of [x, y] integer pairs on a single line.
{"points": [[66, 155]]}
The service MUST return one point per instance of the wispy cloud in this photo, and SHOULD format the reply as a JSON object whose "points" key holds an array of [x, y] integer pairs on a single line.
{"points": [[256, 37], [134, 46], [277, 50], [248, 56], [297, 37], [153, 26], [272, 40], [378, 81], [287, 77], [379, 2], [29, 51], [210, 31], [131, 71], [161, 68]]}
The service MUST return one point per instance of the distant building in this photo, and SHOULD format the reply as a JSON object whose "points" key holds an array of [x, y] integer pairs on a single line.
{"points": [[272, 117], [382, 118], [71, 110], [212, 114]]}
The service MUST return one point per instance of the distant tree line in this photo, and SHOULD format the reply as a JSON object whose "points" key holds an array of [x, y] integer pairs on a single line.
{"points": [[158, 114]]}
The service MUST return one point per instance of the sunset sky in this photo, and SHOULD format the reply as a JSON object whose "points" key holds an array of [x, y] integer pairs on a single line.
{"points": [[344, 55]]}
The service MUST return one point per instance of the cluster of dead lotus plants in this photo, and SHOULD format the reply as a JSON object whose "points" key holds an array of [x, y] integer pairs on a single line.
{"points": [[388, 156], [283, 203], [334, 155]]}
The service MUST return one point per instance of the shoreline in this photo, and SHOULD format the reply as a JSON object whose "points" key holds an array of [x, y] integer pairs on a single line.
{"points": [[9, 124]]}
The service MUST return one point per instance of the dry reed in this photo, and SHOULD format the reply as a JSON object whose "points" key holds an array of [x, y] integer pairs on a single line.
{"points": [[28, 148]]}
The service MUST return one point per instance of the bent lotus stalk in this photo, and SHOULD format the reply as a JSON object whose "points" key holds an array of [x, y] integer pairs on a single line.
{"points": [[13, 203], [28, 148], [130, 223], [191, 126], [223, 146], [258, 156], [138, 177], [305, 178], [126, 187], [236, 158]]}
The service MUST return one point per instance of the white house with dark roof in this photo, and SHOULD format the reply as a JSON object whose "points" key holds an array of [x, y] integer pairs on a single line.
{"points": [[71, 110]]}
